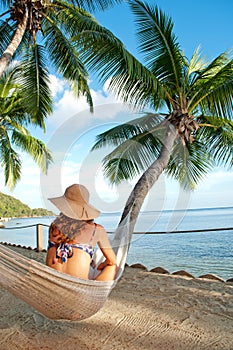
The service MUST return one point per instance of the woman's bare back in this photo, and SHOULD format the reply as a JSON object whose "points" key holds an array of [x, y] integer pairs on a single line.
{"points": [[78, 263]]}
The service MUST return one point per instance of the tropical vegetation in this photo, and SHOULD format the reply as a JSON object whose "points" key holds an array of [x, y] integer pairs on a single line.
{"points": [[12, 207], [14, 135], [37, 34], [188, 127]]}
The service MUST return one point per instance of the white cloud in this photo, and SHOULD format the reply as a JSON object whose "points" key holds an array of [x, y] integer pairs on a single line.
{"points": [[68, 106], [56, 85]]}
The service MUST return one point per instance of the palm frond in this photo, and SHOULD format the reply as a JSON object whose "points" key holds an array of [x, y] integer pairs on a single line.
{"points": [[65, 58], [7, 81], [193, 68], [131, 158], [213, 67], [137, 145], [189, 164], [102, 52], [34, 147], [5, 35], [34, 82], [69, 19], [196, 63], [217, 133], [14, 117], [120, 169], [149, 122], [9, 159], [13, 107], [62, 52], [213, 89], [158, 43], [93, 5], [135, 92]]}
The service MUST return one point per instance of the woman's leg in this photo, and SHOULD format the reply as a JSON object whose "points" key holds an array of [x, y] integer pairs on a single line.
{"points": [[107, 274]]}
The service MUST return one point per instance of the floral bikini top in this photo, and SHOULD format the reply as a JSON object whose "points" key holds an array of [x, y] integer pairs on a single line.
{"points": [[65, 250]]}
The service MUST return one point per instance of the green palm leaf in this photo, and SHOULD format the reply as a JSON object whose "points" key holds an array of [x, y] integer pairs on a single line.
{"points": [[158, 43], [52, 24], [93, 5], [5, 35], [10, 160], [212, 90], [34, 82], [137, 145], [34, 147], [189, 164], [218, 137], [130, 159], [149, 123], [65, 58], [14, 116], [8, 83], [103, 52]]}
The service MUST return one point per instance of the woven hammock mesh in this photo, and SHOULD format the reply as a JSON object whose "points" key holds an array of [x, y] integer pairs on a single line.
{"points": [[57, 295]]}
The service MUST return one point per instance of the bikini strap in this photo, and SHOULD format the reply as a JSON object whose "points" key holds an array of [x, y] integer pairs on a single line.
{"points": [[93, 234], [51, 244]]}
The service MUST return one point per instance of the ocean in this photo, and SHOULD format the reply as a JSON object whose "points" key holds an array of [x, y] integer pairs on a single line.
{"points": [[205, 247]]}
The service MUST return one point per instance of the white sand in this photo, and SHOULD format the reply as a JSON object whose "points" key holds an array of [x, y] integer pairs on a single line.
{"points": [[146, 311]]}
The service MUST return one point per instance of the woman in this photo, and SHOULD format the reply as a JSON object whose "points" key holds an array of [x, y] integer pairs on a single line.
{"points": [[74, 234]]}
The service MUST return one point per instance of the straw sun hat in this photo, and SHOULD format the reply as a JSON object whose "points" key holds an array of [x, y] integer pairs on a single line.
{"points": [[75, 203]]}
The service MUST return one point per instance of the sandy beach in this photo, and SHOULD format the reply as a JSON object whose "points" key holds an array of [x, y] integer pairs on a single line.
{"points": [[145, 311]]}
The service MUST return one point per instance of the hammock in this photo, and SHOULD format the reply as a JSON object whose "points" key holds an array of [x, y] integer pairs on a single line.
{"points": [[57, 295]]}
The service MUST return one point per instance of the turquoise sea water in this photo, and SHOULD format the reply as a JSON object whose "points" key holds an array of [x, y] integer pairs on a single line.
{"points": [[196, 252]]}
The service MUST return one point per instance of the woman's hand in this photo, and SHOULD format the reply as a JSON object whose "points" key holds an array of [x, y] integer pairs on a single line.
{"points": [[104, 264]]}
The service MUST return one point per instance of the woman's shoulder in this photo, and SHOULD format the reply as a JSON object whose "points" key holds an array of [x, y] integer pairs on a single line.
{"points": [[100, 230], [99, 227]]}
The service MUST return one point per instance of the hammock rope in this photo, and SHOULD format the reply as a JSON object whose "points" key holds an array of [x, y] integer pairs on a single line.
{"points": [[57, 295]]}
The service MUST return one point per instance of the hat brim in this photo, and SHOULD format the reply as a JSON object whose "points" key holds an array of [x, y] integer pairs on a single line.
{"points": [[74, 210]]}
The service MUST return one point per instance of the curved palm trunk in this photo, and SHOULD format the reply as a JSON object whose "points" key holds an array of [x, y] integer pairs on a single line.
{"points": [[12, 47], [148, 179]]}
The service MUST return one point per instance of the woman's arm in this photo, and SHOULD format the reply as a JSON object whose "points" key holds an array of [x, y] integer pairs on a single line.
{"points": [[51, 256], [109, 267], [54, 238], [106, 249]]}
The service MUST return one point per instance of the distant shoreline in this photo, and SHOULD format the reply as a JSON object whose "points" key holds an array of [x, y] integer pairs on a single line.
{"points": [[2, 218]]}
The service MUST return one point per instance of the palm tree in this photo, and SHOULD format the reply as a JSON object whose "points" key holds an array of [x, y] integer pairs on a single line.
{"points": [[14, 136], [50, 23], [193, 133]]}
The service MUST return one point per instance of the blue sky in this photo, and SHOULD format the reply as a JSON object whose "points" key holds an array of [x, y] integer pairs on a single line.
{"points": [[203, 22], [71, 129]]}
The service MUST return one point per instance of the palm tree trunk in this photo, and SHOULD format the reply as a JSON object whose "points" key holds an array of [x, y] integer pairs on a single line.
{"points": [[12, 47], [148, 179]]}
